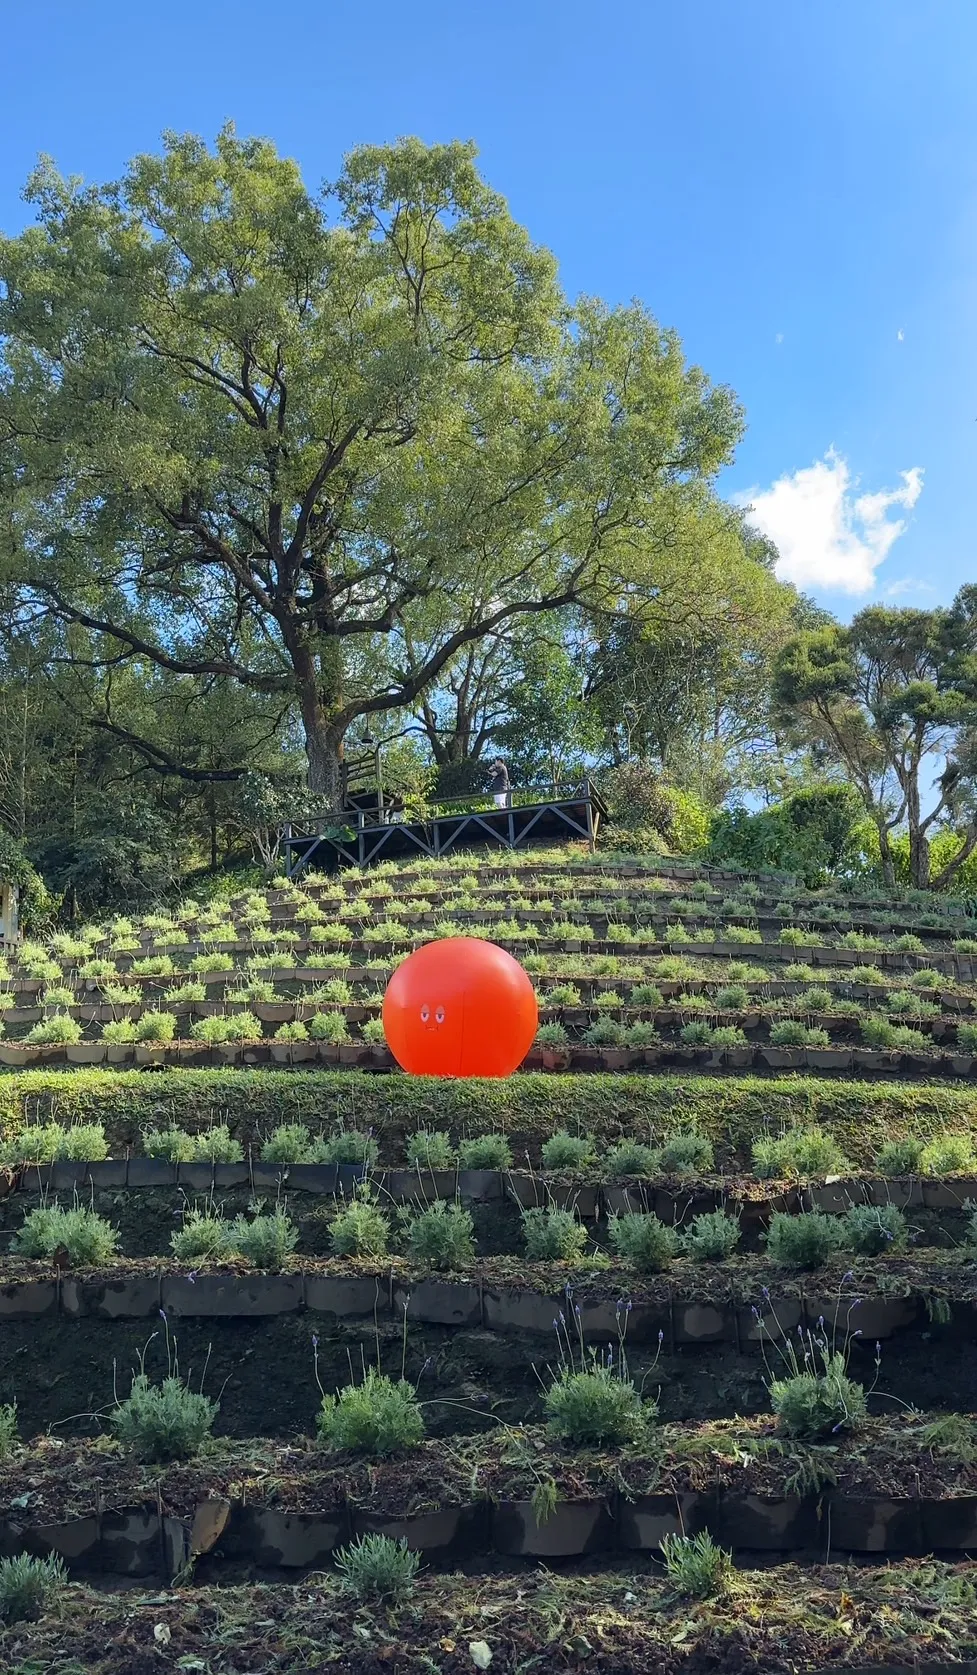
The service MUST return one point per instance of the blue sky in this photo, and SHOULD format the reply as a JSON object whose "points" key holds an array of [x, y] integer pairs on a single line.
{"points": [[792, 185]]}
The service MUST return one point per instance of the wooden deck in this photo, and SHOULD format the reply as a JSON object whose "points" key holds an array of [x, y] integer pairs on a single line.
{"points": [[553, 814]]}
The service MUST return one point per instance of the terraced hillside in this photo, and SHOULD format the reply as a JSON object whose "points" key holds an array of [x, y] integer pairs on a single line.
{"points": [[660, 1355]]}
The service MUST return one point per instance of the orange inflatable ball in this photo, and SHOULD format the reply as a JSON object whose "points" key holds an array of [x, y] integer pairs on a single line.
{"points": [[460, 1007]]}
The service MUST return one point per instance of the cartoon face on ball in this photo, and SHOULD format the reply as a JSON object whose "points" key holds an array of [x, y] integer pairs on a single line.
{"points": [[459, 1007], [432, 1017]]}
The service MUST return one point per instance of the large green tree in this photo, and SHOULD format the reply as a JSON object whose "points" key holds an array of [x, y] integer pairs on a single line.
{"points": [[250, 433], [892, 700]]}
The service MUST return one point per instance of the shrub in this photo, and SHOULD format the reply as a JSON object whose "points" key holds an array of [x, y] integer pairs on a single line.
{"points": [[29, 1586], [872, 1229], [910, 944], [350, 1146], [630, 1157], [913, 1005], [606, 1032], [595, 1407], [644, 1241], [185, 994], [217, 1145], [552, 1035], [330, 1027], [695, 1034], [811, 1405], [791, 936], [799, 973], [167, 1421], [686, 1153], [646, 994], [58, 995], [8, 1429], [372, 1030], [87, 1238], [430, 1148], [210, 962], [266, 1242], [485, 1151], [815, 999], [712, 1236], [965, 945], [360, 1228], [50, 1142], [295, 1031], [553, 1235], [734, 998], [567, 1151], [159, 965], [379, 1417], [927, 978], [442, 1236], [119, 1032], [951, 1154], [156, 1026], [741, 933], [172, 1144], [790, 1033], [376, 1566], [696, 1566], [803, 1241], [562, 994], [57, 1031], [200, 1237], [800, 1153], [290, 1142], [967, 1037], [900, 1157], [641, 1034]]}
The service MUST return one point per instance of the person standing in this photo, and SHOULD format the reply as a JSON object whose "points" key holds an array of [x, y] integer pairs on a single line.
{"points": [[499, 786]]}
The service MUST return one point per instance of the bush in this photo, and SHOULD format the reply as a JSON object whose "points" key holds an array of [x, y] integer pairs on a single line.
{"points": [[799, 1154], [296, 1031], [873, 1229], [55, 1032], [951, 1154], [51, 1142], [696, 1566], [599, 1407], [695, 1034], [266, 1242], [442, 1236], [330, 1027], [812, 1405], [348, 1146], [209, 962], [8, 1429], [803, 1241], [87, 1239], [790, 1033], [567, 1151], [606, 1032], [712, 1236], [646, 994], [156, 1026], [553, 1236], [161, 965], [644, 1241], [733, 998], [967, 1038], [376, 1566], [686, 1153], [29, 1586], [202, 1236], [900, 1157], [909, 944], [552, 1035], [379, 1417], [485, 1151], [430, 1148], [290, 1142], [119, 1032], [165, 1421], [373, 1031], [217, 1145], [630, 1157], [171, 1144], [360, 1228]]}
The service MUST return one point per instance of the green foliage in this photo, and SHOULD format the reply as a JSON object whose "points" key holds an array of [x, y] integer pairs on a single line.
{"points": [[52, 1141], [442, 1236], [266, 1242], [202, 1236], [330, 1027], [567, 1151], [873, 1230], [630, 1157], [290, 1143], [377, 1567], [819, 1401], [217, 1145], [686, 1153], [807, 1240], [694, 1564], [86, 1238], [485, 1151], [646, 808], [643, 1241], [553, 1236], [349, 1145], [380, 1417], [30, 1586], [900, 1157], [360, 1228], [596, 1407], [8, 1429], [712, 1237], [156, 1026], [166, 1421], [800, 1154], [811, 833], [57, 1031], [173, 1145], [950, 1154], [430, 1148]]}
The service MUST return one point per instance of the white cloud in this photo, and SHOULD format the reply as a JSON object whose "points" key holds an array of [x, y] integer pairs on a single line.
{"points": [[900, 336], [907, 584], [779, 338], [828, 536]]}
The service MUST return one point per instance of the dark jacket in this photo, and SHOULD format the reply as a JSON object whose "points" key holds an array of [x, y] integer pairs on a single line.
{"points": [[500, 779]]}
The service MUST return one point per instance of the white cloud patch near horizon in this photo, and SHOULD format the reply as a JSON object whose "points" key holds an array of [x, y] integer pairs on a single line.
{"points": [[828, 535]]}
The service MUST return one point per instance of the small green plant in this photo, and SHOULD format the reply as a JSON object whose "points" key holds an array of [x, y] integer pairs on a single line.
{"points": [[290, 1142], [567, 1151], [803, 1241], [295, 1031], [29, 1586], [552, 1035], [8, 1429], [733, 998], [562, 994], [950, 1154], [965, 945], [967, 1038], [442, 1236], [900, 1157], [695, 1034], [871, 1230], [606, 1032], [910, 944], [380, 1417], [58, 1031], [799, 1154], [360, 1228], [50, 1142], [166, 1421], [553, 1236], [185, 994], [266, 1242], [647, 995], [58, 994], [817, 1399], [217, 1145], [630, 1157], [83, 1237], [330, 1027], [686, 1152], [595, 1404], [695, 1565], [202, 1236], [485, 1151], [348, 1146], [156, 965], [430, 1148], [376, 1566], [119, 1032], [171, 1144], [372, 1030], [156, 1026], [643, 1240], [712, 1237]]}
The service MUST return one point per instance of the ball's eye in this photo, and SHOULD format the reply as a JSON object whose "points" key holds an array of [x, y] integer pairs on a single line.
{"points": [[425, 1014], [439, 1015]]}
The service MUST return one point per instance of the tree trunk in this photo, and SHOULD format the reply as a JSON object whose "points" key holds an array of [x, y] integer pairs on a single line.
{"points": [[885, 855], [919, 849], [319, 691]]}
